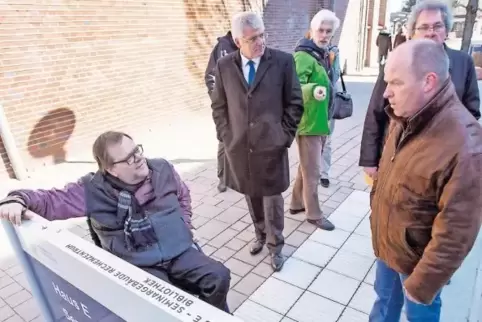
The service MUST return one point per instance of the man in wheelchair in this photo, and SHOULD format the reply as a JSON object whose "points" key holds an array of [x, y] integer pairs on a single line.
{"points": [[137, 209]]}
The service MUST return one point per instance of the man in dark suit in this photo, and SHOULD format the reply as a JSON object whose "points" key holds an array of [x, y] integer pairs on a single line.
{"points": [[257, 105], [384, 44], [429, 19]]}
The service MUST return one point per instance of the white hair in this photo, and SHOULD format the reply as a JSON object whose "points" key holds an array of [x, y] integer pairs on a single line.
{"points": [[243, 20], [325, 16], [430, 5]]}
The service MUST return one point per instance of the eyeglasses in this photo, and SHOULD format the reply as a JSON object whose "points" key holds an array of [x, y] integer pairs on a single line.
{"points": [[133, 157], [252, 40], [426, 28]]}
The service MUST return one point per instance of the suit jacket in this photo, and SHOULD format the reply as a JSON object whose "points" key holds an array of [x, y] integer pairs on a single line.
{"points": [[257, 123]]}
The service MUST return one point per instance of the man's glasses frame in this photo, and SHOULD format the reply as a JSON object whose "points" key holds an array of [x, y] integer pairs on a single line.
{"points": [[133, 157], [252, 40], [426, 28]]}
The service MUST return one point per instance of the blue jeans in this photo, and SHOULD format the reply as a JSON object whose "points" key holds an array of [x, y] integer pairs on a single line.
{"points": [[391, 297], [326, 152]]}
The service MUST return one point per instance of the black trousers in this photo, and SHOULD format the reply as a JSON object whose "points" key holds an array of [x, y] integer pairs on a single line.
{"points": [[382, 57], [221, 161], [267, 214], [198, 274]]}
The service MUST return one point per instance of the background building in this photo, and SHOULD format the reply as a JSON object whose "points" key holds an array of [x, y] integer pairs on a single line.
{"points": [[455, 38], [73, 69]]}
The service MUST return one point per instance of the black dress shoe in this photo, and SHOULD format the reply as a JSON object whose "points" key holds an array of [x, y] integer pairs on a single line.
{"points": [[256, 247], [277, 261], [322, 223], [325, 183], [297, 211]]}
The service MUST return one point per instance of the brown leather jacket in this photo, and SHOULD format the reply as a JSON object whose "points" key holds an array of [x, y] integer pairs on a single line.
{"points": [[427, 199]]}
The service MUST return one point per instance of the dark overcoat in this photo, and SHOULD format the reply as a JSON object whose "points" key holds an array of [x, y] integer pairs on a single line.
{"points": [[257, 123]]}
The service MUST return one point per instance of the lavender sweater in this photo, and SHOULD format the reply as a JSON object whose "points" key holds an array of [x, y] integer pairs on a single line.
{"points": [[69, 202]]}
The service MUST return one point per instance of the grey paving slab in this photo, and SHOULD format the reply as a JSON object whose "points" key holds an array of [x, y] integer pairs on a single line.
{"points": [[224, 253], [245, 256], [296, 238], [238, 267], [235, 299], [224, 237], [263, 269], [235, 244], [248, 284]]}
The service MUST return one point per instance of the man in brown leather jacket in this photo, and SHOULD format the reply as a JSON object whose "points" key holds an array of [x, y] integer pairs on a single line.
{"points": [[426, 199]]}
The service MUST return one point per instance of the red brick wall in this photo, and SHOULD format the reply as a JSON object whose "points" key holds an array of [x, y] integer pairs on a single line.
{"points": [[340, 9], [109, 64]]}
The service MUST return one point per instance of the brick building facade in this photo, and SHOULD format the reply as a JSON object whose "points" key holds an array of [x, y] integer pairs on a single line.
{"points": [[73, 69]]}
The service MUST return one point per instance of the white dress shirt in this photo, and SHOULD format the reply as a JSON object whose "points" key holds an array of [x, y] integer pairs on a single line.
{"points": [[244, 62]]}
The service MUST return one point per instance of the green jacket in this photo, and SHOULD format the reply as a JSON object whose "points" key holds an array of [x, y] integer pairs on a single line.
{"points": [[315, 115]]}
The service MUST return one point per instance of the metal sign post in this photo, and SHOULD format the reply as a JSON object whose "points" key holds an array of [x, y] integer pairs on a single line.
{"points": [[28, 270]]}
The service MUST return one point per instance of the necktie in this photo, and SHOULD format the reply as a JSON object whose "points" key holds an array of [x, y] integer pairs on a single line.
{"points": [[251, 73]]}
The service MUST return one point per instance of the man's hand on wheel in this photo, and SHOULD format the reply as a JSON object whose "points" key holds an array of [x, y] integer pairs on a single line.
{"points": [[14, 212]]}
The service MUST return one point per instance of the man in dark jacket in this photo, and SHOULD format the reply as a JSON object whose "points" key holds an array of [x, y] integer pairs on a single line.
{"points": [[257, 106], [400, 38], [224, 47], [432, 20], [384, 44], [137, 209]]}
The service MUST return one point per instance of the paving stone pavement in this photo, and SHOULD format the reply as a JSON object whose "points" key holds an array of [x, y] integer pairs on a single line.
{"points": [[327, 275]]}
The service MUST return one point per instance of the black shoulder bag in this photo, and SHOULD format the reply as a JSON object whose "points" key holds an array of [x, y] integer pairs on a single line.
{"points": [[342, 103]]}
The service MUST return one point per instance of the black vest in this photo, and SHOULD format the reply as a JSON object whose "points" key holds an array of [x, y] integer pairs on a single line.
{"points": [[164, 212]]}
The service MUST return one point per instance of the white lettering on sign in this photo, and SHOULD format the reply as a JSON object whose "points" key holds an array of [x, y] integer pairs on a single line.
{"points": [[68, 316], [65, 296], [79, 306], [91, 259], [150, 288], [85, 309]]}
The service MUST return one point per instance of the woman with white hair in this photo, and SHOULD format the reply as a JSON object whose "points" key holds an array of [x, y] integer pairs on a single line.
{"points": [[313, 67]]}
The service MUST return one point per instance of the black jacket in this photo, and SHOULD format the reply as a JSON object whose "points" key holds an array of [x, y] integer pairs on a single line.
{"points": [[384, 42], [399, 39], [224, 46], [462, 72]]}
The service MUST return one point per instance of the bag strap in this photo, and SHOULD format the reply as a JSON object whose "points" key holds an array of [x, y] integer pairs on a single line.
{"points": [[319, 59], [343, 86]]}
